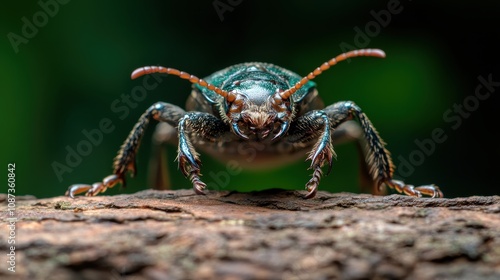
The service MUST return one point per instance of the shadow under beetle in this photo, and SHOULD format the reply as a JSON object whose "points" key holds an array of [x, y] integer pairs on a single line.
{"points": [[259, 105]]}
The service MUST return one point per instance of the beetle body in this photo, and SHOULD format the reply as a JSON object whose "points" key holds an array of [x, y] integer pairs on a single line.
{"points": [[264, 109], [256, 82]]}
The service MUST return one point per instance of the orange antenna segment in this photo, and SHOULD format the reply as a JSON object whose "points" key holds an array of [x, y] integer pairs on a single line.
{"points": [[183, 75], [325, 66]]}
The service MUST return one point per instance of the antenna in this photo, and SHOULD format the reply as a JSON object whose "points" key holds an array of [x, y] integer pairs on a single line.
{"points": [[325, 66]]}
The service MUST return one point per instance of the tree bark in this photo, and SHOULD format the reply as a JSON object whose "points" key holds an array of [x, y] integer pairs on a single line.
{"points": [[273, 234]]}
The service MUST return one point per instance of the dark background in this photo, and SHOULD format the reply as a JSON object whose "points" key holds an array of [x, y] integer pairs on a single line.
{"points": [[65, 78]]}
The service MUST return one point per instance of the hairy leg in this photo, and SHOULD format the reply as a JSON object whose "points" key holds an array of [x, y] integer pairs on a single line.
{"points": [[125, 160], [378, 159]]}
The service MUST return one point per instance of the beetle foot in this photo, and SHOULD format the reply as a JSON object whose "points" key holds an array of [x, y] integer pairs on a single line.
{"points": [[96, 188], [410, 190], [91, 190], [77, 189], [190, 167], [198, 185], [321, 153], [312, 185]]}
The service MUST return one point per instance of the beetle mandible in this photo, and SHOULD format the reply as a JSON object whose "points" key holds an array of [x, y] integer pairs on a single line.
{"points": [[259, 104]]}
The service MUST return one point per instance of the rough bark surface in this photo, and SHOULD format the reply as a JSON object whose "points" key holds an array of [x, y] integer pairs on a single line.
{"points": [[272, 234]]}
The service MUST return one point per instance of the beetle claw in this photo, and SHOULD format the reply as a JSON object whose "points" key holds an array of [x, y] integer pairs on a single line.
{"points": [[311, 192], [198, 185], [76, 189], [312, 185]]}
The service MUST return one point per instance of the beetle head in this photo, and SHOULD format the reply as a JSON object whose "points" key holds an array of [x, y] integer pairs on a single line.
{"points": [[251, 109], [259, 120]]}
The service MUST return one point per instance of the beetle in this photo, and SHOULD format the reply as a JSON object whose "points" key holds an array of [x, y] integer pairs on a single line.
{"points": [[265, 107]]}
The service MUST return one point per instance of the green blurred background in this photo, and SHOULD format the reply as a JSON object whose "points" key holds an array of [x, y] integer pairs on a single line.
{"points": [[64, 79]]}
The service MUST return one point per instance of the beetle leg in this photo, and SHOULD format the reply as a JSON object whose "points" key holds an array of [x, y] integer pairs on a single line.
{"points": [[377, 158], [201, 126], [314, 125], [125, 160], [401, 187], [93, 189]]}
